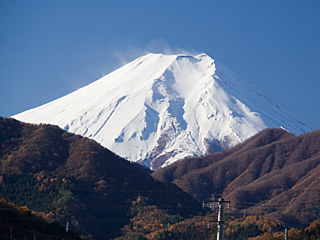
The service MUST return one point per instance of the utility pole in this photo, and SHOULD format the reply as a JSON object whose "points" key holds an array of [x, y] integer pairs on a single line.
{"points": [[220, 221], [221, 202], [286, 233]]}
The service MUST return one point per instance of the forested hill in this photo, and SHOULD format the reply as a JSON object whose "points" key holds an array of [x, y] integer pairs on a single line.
{"points": [[71, 178], [273, 173]]}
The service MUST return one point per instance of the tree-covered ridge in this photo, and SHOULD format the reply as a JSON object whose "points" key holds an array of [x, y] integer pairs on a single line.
{"points": [[273, 173], [71, 178]]}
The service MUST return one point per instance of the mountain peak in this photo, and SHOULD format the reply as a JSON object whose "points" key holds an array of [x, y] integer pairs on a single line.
{"points": [[160, 108]]}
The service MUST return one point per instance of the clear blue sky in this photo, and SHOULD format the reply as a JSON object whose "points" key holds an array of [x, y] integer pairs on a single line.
{"points": [[51, 48]]}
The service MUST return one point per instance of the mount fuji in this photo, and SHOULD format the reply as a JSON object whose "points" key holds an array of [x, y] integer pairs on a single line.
{"points": [[161, 108]]}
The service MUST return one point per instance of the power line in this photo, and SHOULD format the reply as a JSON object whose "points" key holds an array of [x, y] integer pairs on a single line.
{"points": [[23, 231]]}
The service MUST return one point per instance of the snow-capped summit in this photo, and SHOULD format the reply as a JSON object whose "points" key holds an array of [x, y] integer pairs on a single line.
{"points": [[160, 108]]}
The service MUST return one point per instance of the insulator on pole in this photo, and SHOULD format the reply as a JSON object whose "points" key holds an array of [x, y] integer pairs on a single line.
{"points": [[67, 226]]}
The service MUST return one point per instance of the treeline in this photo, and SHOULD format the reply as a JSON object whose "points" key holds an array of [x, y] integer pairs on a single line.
{"points": [[309, 233]]}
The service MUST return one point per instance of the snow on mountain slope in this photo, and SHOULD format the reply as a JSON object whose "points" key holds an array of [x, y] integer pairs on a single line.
{"points": [[161, 108]]}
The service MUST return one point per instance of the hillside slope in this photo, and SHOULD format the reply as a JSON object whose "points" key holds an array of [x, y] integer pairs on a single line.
{"points": [[273, 172], [72, 178]]}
